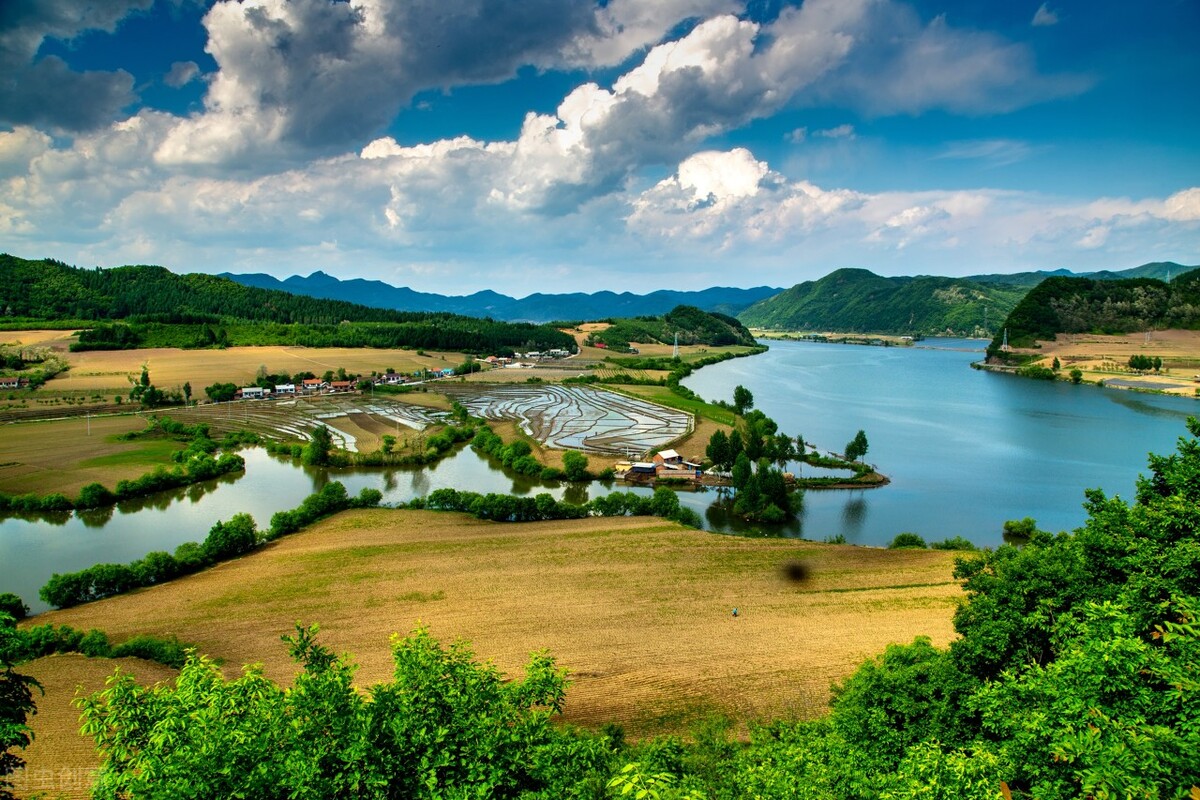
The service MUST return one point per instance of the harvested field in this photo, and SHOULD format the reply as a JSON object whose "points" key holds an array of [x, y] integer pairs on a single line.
{"points": [[170, 368], [638, 609], [58, 341], [60, 762], [523, 374], [60, 455], [579, 417], [1106, 358]]}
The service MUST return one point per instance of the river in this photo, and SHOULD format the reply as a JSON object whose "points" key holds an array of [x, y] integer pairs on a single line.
{"points": [[965, 450]]}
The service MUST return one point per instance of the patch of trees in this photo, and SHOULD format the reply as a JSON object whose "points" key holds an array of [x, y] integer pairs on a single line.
{"points": [[510, 508], [754, 456], [225, 540], [1143, 363], [1086, 305], [692, 325]]}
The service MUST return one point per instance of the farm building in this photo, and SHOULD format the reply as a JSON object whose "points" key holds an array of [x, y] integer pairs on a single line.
{"points": [[341, 386], [391, 379], [285, 388], [668, 457], [252, 392], [311, 385], [10, 383], [642, 468]]}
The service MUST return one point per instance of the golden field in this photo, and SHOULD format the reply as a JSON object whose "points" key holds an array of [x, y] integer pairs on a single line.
{"points": [[638, 609]]}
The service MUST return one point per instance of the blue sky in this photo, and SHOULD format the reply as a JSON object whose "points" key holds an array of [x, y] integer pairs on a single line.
{"points": [[557, 145]]}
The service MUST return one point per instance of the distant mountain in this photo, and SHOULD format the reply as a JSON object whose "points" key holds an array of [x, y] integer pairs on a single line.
{"points": [[534, 308], [1162, 270], [1095, 305], [856, 300]]}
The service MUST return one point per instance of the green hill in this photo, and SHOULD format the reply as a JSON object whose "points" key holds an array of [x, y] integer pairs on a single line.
{"points": [[1090, 305], [148, 306], [689, 323], [859, 301]]}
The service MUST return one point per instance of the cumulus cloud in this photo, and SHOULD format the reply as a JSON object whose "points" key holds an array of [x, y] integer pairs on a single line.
{"points": [[1044, 17], [181, 74], [46, 92]]}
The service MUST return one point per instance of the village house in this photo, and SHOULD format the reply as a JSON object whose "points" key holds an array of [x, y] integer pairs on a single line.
{"points": [[341, 386], [668, 457], [313, 385], [251, 393], [10, 383], [285, 388]]}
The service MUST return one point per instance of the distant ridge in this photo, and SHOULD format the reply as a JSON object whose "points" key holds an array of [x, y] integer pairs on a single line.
{"points": [[538, 307], [1162, 270]]}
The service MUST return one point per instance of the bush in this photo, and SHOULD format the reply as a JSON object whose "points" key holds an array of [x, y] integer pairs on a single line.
{"points": [[905, 541], [956, 543]]}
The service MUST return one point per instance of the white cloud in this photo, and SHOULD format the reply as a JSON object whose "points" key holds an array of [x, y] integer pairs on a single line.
{"points": [[1044, 17], [994, 152], [838, 132]]}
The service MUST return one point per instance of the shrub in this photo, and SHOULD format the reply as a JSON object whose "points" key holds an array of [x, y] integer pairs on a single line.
{"points": [[905, 541], [955, 543], [13, 605]]}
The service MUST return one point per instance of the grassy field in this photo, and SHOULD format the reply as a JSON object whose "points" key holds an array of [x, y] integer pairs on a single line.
{"points": [[697, 408], [638, 609], [60, 456]]}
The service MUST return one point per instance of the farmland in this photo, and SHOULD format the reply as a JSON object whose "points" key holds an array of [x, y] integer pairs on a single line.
{"points": [[580, 418], [64, 455], [638, 609]]}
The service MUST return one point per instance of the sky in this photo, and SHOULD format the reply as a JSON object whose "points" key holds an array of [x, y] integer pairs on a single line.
{"points": [[629, 145]]}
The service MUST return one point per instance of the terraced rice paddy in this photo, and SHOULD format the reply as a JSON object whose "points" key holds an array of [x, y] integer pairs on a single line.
{"points": [[579, 417], [355, 423]]}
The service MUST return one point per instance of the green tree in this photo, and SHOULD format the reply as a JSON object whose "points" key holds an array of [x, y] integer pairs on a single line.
{"points": [[229, 539], [743, 400], [187, 392], [575, 465], [1076, 375], [857, 447], [16, 705], [742, 471], [387, 443], [717, 450], [316, 452], [13, 605]]}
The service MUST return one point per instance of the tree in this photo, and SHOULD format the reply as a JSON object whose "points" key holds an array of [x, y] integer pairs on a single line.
{"points": [[575, 465], [1076, 375], [16, 704], [316, 452], [717, 450], [857, 447], [13, 605], [187, 392], [742, 471], [229, 539], [388, 443], [743, 400], [1055, 365]]}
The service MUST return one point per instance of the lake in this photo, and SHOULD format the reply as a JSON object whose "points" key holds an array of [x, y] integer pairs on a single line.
{"points": [[965, 450]]}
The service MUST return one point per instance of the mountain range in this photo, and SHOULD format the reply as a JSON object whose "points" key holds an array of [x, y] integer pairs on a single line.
{"points": [[534, 308], [922, 304]]}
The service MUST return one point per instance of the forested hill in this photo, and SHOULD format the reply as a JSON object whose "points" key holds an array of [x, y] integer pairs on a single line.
{"points": [[538, 307], [689, 323], [156, 307], [856, 300], [1089, 305]]}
